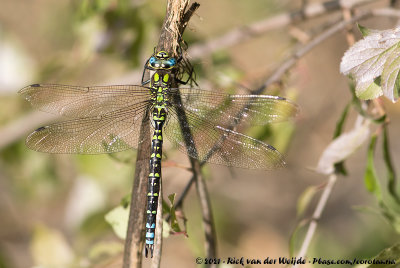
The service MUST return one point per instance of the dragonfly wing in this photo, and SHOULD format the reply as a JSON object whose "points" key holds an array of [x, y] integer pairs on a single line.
{"points": [[113, 132], [227, 147], [227, 109], [79, 102]]}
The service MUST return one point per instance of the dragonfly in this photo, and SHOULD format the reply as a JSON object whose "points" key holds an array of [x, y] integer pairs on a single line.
{"points": [[108, 119]]}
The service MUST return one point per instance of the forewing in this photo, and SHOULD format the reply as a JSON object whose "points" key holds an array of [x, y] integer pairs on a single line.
{"points": [[224, 109], [79, 102], [215, 144], [113, 132]]}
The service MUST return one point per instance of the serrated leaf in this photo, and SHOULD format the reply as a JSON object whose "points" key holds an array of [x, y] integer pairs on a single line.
{"points": [[118, 219], [365, 59], [390, 75], [342, 147], [368, 58], [305, 199], [370, 178], [391, 254]]}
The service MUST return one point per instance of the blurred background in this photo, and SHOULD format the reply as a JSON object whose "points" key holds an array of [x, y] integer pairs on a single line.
{"points": [[52, 207]]}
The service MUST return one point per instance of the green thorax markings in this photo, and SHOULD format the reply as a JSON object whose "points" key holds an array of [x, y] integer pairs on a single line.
{"points": [[159, 84]]}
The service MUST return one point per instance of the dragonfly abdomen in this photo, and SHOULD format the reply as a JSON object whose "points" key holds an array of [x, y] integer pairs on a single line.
{"points": [[153, 187]]}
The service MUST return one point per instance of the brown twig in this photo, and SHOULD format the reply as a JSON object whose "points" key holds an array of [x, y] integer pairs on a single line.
{"points": [[174, 24], [239, 35], [135, 233], [208, 222]]}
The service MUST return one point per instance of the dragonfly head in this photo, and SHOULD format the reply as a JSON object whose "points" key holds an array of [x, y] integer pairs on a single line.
{"points": [[161, 60]]}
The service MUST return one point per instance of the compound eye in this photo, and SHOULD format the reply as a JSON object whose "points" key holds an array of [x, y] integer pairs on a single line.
{"points": [[152, 61]]}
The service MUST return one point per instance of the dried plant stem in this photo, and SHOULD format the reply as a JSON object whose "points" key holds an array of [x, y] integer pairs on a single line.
{"points": [[135, 233], [208, 220], [173, 26]]}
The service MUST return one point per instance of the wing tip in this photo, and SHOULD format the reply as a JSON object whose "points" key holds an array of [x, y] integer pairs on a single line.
{"points": [[24, 90], [34, 139]]}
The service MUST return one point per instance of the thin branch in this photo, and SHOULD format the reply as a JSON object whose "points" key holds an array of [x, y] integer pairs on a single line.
{"points": [[316, 216], [242, 34], [205, 204], [347, 14], [135, 233]]}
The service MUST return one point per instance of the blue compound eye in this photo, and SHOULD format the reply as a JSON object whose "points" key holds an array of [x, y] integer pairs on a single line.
{"points": [[152, 60], [171, 62]]}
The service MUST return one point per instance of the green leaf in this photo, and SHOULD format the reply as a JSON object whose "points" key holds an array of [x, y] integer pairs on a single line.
{"points": [[379, 120], [364, 30], [369, 90], [126, 200], [305, 199], [170, 209], [171, 198], [370, 178], [391, 216], [373, 57], [340, 123], [118, 219], [339, 167], [293, 236], [391, 174], [391, 254]]}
